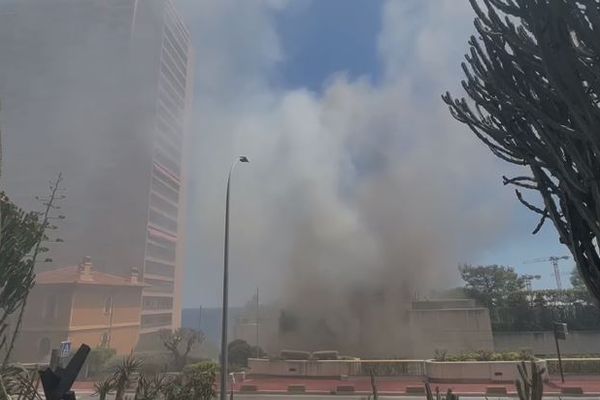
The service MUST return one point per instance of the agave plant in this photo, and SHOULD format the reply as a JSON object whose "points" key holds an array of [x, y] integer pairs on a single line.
{"points": [[123, 374], [20, 383], [103, 388], [150, 387]]}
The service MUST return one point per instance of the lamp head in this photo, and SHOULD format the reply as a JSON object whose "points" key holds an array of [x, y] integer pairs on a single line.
{"points": [[244, 159]]}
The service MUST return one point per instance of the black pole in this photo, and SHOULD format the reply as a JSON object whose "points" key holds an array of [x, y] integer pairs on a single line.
{"points": [[560, 366], [223, 376], [224, 311]]}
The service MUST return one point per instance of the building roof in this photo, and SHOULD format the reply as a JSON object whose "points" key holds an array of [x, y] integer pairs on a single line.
{"points": [[75, 275]]}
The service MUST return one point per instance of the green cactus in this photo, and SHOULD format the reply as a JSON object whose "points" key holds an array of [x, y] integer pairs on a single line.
{"points": [[530, 387], [438, 395]]}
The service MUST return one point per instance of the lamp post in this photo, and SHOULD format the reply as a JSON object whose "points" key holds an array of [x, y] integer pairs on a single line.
{"points": [[224, 361]]}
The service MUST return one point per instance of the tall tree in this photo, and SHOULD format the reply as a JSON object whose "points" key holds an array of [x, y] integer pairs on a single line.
{"points": [[21, 232], [32, 231], [533, 80], [491, 285], [180, 343], [576, 280]]}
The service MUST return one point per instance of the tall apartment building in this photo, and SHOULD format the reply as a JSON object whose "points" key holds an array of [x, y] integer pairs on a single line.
{"points": [[101, 90]]}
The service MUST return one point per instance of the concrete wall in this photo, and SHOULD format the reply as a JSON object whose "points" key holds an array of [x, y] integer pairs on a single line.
{"points": [[577, 342], [472, 371], [453, 330], [321, 368], [484, 371]]}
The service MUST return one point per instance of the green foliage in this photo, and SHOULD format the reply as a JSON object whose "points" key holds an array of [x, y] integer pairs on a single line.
{"points": [[179, 343], [491, 285], [103, 388], [20, 383], [530, 386], [531, 78], [123, 374], [483, 355], [576, 280], [512, 308], [196, 382], [200, 378], [98, 359], [239, 351], [149, 387], [20, 233], [537, 311]]}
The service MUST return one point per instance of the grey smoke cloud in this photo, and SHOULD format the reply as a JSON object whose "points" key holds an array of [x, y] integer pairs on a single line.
{"points": [[363, 183]]}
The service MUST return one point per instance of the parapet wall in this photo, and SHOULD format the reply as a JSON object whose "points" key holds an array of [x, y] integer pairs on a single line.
{"points": [[468, 371]]}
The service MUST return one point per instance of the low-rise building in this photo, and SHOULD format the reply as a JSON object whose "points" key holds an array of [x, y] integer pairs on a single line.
{"points": [[82, 305]]}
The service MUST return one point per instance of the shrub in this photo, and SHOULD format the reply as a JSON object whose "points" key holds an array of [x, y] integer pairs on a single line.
{"points": [[484, 355], [98, 360]]}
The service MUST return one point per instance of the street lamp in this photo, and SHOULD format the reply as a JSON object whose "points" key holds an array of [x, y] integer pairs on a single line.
{"points": [[223, 392]]}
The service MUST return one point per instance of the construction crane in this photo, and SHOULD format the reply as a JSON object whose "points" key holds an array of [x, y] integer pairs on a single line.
{"points": [[554, 260]]}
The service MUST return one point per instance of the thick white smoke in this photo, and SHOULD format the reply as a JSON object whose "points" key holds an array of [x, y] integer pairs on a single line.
{"points": [[361, 186]]}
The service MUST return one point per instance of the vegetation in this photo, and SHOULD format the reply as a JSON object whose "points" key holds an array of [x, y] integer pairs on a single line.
{"points": [[576, 281], [493, 286], [238, 353], [483, 355], [124, 373], [374, 395], [22, 237], [103, 388], [532, 80], [512, 308], [98, 359], [179, 343], [438, 395], [21, 232], [530, 386], [195, 382]]}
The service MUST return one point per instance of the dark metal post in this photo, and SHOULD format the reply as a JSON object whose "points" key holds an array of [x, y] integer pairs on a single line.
{"points": [[560, 366], [257, 318], [224, 313]]}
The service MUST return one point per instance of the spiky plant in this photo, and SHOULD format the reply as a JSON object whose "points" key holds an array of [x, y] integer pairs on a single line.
{"points": [[530, 387], [103, 388], [150, 387], [374, 395], [22, 383], [438, 395], [123, 374]]}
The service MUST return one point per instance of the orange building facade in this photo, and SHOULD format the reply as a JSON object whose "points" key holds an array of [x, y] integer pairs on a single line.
{"points": [[82, 305]]}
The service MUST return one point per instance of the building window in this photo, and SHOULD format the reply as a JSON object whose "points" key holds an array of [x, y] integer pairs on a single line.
{"points": [[108, 305]]}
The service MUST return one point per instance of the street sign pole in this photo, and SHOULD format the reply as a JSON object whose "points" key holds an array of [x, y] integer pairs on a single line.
{"points": [[560, 332]]}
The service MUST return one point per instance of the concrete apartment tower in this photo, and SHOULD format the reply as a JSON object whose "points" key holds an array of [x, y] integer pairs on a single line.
{"points": [[101, 91]]}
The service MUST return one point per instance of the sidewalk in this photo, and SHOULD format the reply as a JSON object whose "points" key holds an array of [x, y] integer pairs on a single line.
{"points": [[590, 385], [390, 385]]}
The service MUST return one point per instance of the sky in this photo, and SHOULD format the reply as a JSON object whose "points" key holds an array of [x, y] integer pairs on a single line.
{"points": [[337, 104]]}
